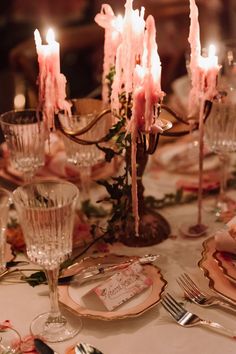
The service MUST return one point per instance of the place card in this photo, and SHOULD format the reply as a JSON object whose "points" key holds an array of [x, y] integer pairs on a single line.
{"points": [[122, 286]]}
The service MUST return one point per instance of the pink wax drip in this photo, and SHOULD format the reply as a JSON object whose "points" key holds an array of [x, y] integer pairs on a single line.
{"points": [[137, 73], [113, 29], [129, 52], [152, 64], [195, 45], [52, 84], [204, 73], [204, 70]]}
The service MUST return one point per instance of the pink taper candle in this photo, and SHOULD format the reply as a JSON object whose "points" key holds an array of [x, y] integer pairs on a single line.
{"points": [[52, 84], [204, 72], [153, 92], [195, 46], [113, 29], [129, 52]]}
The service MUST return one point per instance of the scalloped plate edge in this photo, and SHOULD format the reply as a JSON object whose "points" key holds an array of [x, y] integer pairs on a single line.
{"points": [[207, 273]]}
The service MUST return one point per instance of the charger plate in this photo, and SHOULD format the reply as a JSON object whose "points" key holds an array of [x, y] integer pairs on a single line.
{"points": [[227, 264], [71, 295], [218, 282]]}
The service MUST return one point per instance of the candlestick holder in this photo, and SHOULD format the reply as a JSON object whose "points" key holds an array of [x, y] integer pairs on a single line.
{"points": [[153, 227]]}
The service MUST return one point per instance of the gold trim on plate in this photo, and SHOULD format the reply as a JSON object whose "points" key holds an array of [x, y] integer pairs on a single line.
{"points": [[226, 266], [217, 280]]}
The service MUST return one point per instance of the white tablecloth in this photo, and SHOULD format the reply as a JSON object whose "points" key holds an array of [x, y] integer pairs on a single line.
{"points": [[154, 332]]}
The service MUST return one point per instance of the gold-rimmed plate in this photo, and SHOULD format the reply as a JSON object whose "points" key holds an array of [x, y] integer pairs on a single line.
{"points": [[227, 264], [218, 282], [71, 296]]}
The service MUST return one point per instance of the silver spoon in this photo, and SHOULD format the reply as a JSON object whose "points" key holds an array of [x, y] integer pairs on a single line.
{"points": [[85, 348]]}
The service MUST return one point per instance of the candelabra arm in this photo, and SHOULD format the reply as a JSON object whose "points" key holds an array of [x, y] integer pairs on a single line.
{"points": [[72, 135], [207, 110], [79, 132]]}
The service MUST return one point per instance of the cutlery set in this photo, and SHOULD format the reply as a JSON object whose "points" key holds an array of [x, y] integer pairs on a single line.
{"points": [[92, 273], [193, 293], [189, 319], [181, 315], [80, 348]]}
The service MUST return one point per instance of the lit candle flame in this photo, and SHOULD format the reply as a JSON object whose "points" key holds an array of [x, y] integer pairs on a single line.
{"points": [[211, 51], [50, 37], [37, 38]]}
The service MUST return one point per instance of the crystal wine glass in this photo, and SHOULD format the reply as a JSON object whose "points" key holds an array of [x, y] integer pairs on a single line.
{"points": [[25, 137], [220, 135], [83, 156], [46, 213]]}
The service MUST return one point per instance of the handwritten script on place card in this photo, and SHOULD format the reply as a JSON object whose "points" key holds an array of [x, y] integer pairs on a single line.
{"points": [[122, 286]]}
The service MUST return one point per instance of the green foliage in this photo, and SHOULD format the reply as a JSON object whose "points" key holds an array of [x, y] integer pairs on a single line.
{"points": [[91, 210], [35, 278], [109, 79]]}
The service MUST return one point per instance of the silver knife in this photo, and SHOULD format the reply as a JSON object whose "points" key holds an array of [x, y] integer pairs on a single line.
{"points": [[43, 348], [101, 271]]}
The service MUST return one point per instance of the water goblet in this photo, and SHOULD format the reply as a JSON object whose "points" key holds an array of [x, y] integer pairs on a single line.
{"points": [[5, 200], [220, 135], [46, 214], [83, 156], [25, 137]]}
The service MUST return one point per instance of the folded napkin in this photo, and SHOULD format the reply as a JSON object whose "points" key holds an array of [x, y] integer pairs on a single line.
{"points": [[226, 239]]}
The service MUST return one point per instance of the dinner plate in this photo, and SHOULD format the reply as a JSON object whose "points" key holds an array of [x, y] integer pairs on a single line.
{"points": [[71, 296], [218, 282], [227, 264]]}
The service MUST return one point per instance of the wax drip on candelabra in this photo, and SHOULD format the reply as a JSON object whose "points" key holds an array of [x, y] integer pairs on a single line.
{"points": [[136, 96], [204, 73]]}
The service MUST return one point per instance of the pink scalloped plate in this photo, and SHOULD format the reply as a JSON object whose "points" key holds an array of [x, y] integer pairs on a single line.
{"points": [[218, 282], [227, 264]]}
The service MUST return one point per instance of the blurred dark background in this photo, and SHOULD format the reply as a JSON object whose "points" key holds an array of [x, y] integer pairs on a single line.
{"points": [[81, 41]]}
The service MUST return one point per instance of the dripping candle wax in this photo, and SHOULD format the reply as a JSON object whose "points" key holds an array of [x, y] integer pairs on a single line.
{"points": [[52, 84], [113, 26], [204, 73]]}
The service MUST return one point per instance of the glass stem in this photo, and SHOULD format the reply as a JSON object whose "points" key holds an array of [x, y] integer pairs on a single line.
{"points": [[85, 175], [28, 176], [52, 278], [224, 161]]}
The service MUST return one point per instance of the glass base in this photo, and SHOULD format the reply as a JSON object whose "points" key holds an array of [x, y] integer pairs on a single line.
{"points": [[193, 230], [54, 331]]}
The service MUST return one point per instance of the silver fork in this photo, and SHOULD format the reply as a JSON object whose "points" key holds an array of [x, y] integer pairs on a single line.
{"points": [[189, 319], [199, 297]]}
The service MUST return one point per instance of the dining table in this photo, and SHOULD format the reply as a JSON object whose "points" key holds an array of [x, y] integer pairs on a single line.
{"points": [[153, 330]]}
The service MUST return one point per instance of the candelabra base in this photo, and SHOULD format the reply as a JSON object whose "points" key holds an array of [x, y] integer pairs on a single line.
{"points": [[153, 229]]}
